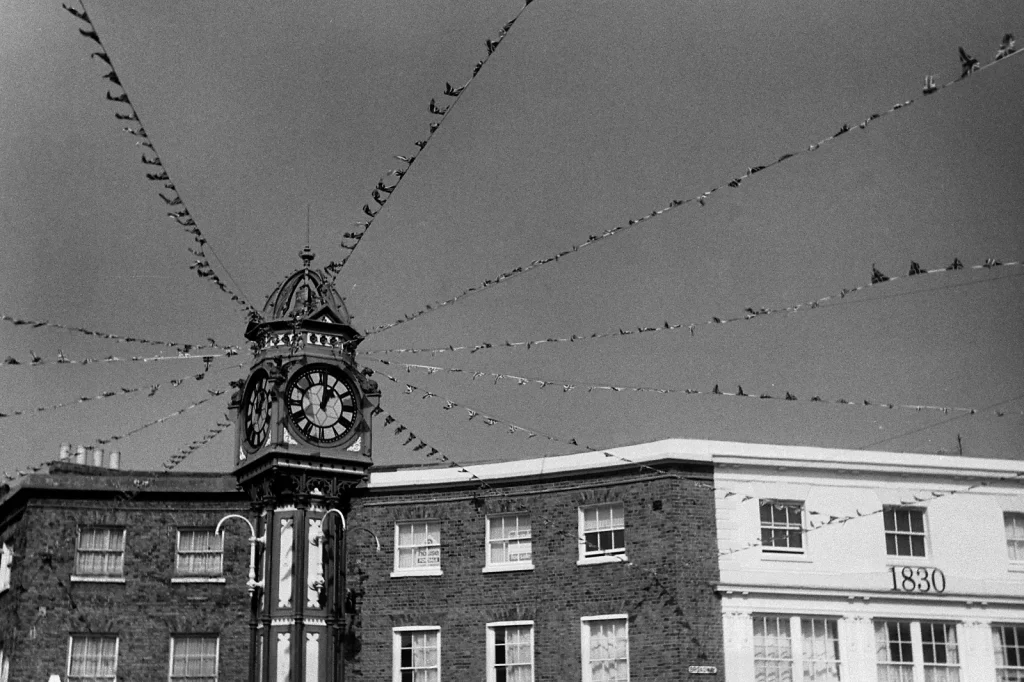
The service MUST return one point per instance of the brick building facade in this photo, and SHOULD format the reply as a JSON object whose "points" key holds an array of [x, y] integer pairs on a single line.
{"points": [[481, 576], [135, 605]]}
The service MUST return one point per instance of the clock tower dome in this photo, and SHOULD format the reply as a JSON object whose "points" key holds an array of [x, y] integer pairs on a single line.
{"points": [[305, 406], [303, 442]]}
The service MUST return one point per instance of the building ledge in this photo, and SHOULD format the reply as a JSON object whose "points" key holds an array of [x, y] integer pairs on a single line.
{"points": [[607, 559], [98, 579], [508, 568], [193, 579]]}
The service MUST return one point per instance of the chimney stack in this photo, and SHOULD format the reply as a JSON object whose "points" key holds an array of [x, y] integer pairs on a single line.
{"points": [[65, 450], [80, 455], [115, 459], [97, 457]]}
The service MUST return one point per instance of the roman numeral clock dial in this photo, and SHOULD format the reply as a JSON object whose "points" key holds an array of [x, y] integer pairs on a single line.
{"points": [[322, 404]]}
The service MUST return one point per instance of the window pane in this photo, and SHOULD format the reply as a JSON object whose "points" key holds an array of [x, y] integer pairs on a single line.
{"points": [[1008, 644], [92, 658], [773, 651]]}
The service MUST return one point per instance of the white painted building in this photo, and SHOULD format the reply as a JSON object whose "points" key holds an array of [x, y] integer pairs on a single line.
{"points": [[863, 566]]}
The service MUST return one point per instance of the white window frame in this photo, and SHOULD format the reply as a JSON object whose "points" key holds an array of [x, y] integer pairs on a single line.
{"points": [[185, 577], [585, 623], [216, 657], [396, 648], [71, 644], [798, 658], [429, 569], [924, 534], [1014, 520], [785, 527], [491, 627], [99, 577], [1017, 669], [601, 557], [494, 567], [917, 663], [6, 568]]}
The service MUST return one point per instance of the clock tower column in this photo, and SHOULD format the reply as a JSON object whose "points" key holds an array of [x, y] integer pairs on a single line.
{"points": [[303, 443]]}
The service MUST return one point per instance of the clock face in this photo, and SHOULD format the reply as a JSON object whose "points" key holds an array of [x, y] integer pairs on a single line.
{"points": [[257, 411], [322, 404]]}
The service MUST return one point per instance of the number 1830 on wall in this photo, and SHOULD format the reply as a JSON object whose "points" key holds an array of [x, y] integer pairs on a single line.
{"points": [[919, 579]]}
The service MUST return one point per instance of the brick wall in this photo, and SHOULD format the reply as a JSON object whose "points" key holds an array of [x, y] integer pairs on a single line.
{"points": [[666, 588], [45, 606]]}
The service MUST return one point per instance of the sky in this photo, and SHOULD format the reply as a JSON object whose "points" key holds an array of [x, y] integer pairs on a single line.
{"points": [[587, 115]]}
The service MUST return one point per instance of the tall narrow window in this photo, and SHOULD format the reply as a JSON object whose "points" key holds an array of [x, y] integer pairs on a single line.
{"points": [[1008, 643], [605, 648], [509, 541], [100, 552], [92, 658], [904, 531], [1014, 536], [510, 652], [194, 658], [895, 651], [418, 548], [200, 552], [5, 668], [939, 652], [819, 639], [773, 649], [416, 654], [602, 531], [6, 567], [782, 526]]}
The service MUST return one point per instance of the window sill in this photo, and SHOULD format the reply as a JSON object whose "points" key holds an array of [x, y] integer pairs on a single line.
{"points": [[412, 573], [511, 568], [97, 579], [1017, 567], [606, 559], [198, 579], [892, 560], [797, 557]]}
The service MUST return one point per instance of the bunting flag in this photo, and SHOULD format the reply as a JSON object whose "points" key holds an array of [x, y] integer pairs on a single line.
{"points": [[716, 391], [750, 313], [149, 391], [700, 199], [382, 192], [8, 478], [180, 346], [61, 359], [181, 216]]}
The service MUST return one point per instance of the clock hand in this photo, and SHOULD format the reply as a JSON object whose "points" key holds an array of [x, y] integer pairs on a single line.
{"points": [[325, 397]]}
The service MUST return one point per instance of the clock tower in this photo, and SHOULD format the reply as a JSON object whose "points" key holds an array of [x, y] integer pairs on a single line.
{"points": [[303, 442]]}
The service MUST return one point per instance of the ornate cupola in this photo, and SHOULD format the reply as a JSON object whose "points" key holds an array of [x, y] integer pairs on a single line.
{"points": [[306, 406]]}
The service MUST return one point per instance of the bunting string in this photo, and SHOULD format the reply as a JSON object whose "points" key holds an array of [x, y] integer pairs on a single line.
{"points": [[10, 478], [382, 192], [156, 171], [147, 391], [701, 199], [61, 359], [786, 396], [750, 313], [180, 346]]}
